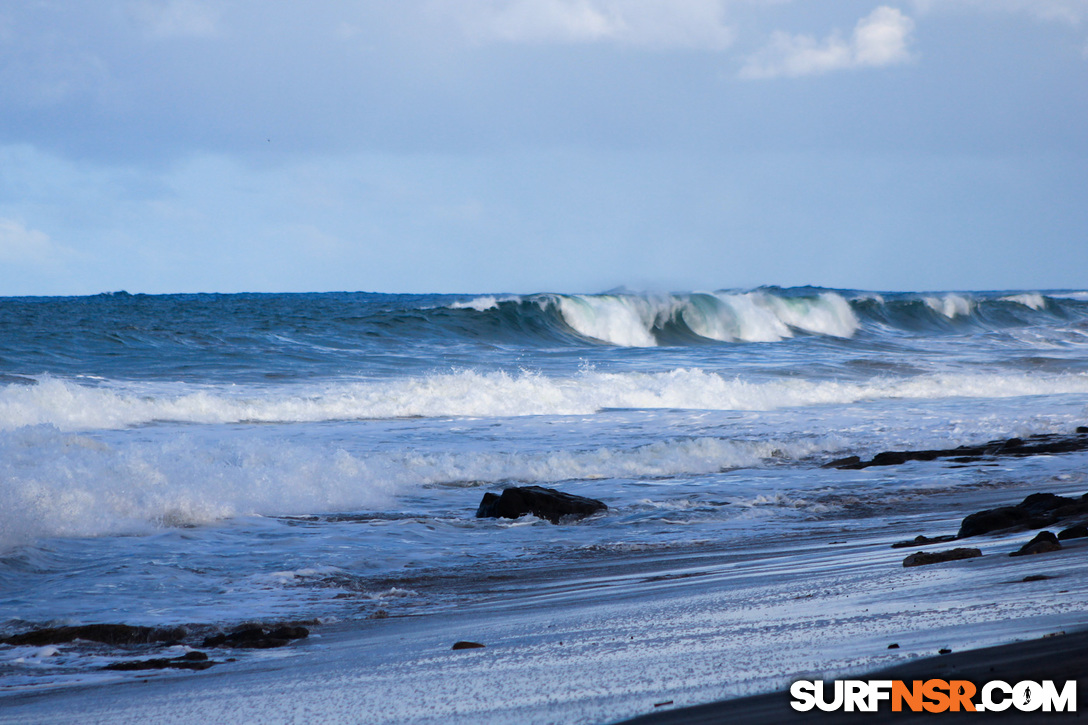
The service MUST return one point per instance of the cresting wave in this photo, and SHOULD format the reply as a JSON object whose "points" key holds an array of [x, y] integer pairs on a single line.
{"points": [[69, 406], [647, 320], [59, 484]]}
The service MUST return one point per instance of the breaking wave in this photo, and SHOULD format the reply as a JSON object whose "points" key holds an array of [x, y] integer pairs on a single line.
{"points": [[69, 406], [766, 315]]}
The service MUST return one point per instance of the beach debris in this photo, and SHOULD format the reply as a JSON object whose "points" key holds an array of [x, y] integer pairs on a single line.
{"points": [[1042, 444], [663, 704], [1034, 512], [112, 634], [923, 541], [258, 637], [1036, 578], [1044, 541], [924, 558], [544, 503], [944, 651], [893, 645], [467, 645], [1073, 532], [194, 660]]}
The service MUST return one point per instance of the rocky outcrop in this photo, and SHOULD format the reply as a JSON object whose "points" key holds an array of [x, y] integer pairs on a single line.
{"points": [[924, 558], [921, 540], [1045, 444], [188, 661], [544, 503], [258, 637], [1034, 512], [1043, 543], [112, 634], [1073, 532]]}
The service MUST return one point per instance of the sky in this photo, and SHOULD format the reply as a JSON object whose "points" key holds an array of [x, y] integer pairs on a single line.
{"points": [[524, 146]]}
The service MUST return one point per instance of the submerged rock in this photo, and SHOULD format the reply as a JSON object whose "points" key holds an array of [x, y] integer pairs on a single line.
{"points": [[544, 503], [924, 558], [1043, 542], [188, 661], [923, 540], [113, 634], [258, 637]]}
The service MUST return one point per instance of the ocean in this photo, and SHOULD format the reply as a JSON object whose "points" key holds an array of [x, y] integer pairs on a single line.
{"points": [[207, 460]]}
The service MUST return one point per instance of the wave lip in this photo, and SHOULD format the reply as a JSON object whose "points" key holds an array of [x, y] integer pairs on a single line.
{"points": [[649, 320], [763, 315]]}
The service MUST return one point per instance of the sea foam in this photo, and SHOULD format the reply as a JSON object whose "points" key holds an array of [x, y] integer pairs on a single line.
{"points": [[59, 484], [69, 406]]}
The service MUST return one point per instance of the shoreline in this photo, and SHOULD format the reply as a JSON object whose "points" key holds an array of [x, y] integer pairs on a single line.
{"points": [[1057, 657], [604, 636]]}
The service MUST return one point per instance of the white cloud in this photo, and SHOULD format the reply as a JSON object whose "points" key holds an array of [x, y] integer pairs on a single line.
{"points": [[697, 24], [177, 18], [879, 39], [21, 245]]}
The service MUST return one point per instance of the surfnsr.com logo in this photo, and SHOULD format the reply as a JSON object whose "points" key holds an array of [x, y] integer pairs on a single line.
{"points": [[933, 696]]}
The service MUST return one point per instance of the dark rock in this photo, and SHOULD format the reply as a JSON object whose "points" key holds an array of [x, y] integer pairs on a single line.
{"points": [[924, 558], [1034, 512], [1073, 532], [545, 503], [1045, 503], [258, 637], [895, 458], [288, 632], [843, 462], [467, 645], [923, 540], [1045, 444], [1043, 543], [188, 661], [1005, 517], [113, 634], [893, 645]]}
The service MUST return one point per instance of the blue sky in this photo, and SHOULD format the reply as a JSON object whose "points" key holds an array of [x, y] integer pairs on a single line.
{"points": [[542, 145]]}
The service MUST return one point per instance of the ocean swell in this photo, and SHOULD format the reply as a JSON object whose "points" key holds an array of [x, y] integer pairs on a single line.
{"points": [[771, 315]]}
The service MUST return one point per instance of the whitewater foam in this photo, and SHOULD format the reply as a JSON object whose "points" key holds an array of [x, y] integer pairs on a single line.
{"points": [[55, 484], [626, 321], [951, 305], [1033, 300], [69, 406], [635, 320]]}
